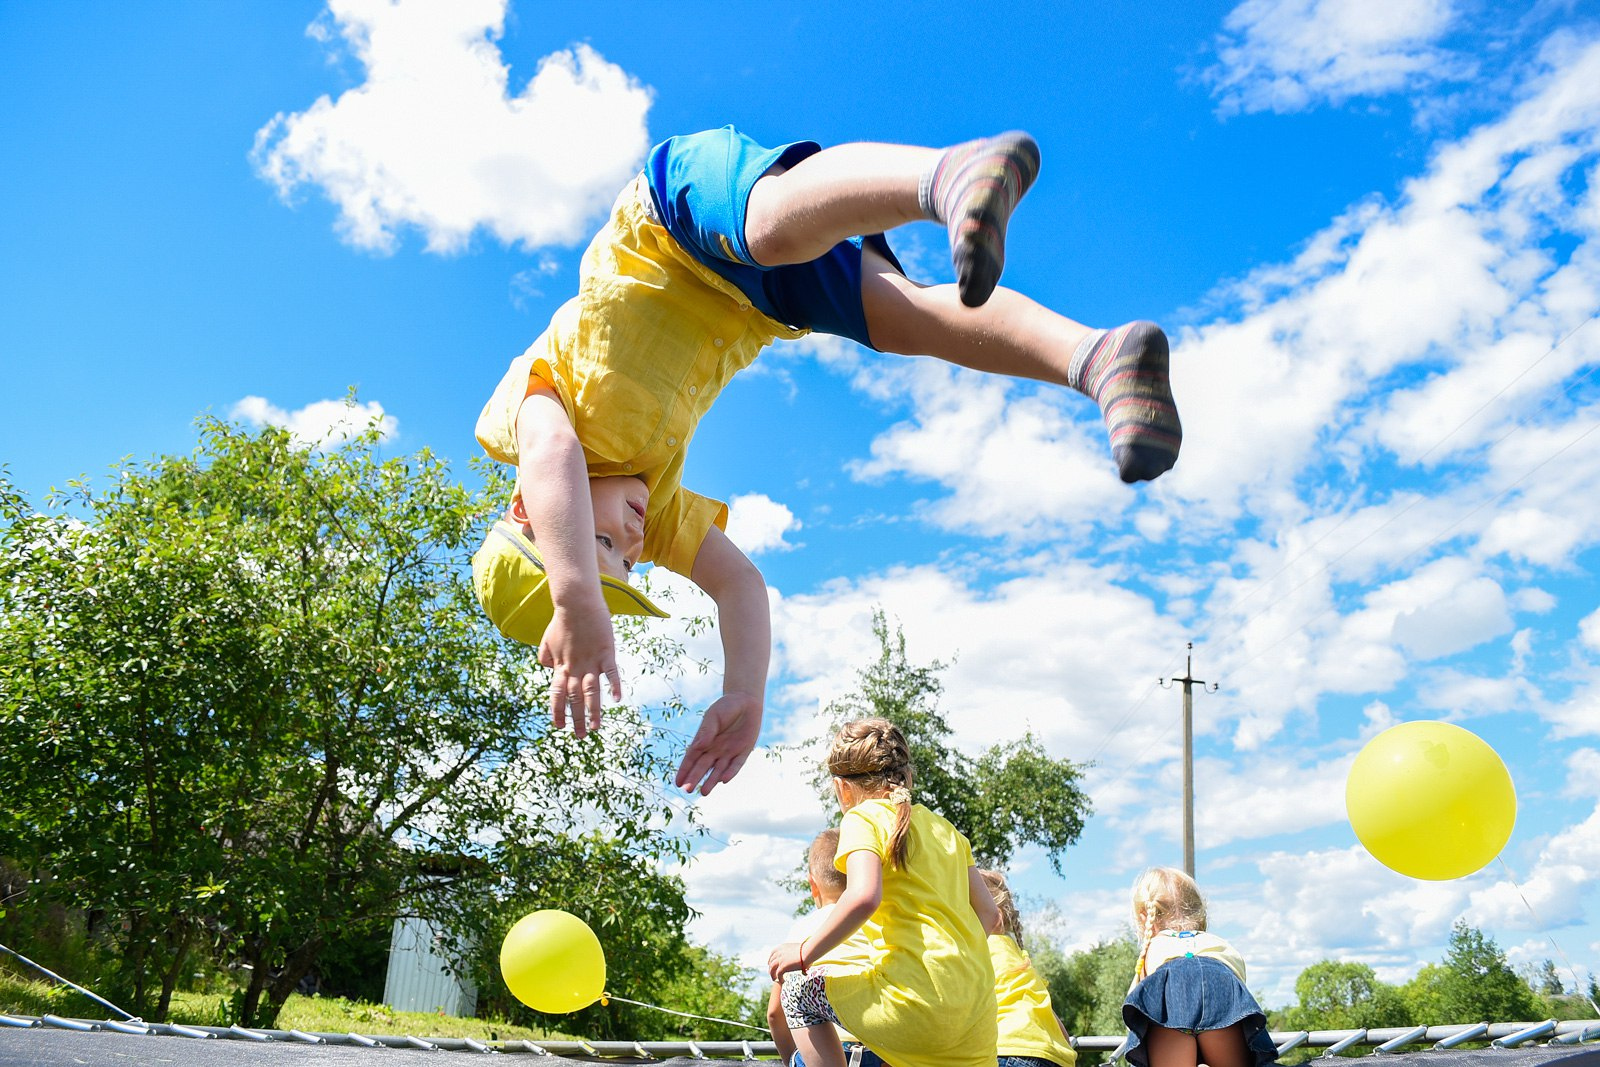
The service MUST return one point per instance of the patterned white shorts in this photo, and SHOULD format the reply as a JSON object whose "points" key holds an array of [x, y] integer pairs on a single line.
{"points": [[805, 999]]}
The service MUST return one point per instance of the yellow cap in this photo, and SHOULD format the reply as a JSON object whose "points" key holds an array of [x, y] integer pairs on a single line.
{"points": [[509, 577]]}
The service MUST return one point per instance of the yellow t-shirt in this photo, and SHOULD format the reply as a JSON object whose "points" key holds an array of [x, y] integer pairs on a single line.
{"points": [[637, 357], [1028, 1025], [928, 1000]]}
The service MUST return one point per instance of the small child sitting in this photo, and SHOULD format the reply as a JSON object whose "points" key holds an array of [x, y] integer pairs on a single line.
{"points": [[719, 248], [1188, 1003], [1031, 1034], [853, 953]]}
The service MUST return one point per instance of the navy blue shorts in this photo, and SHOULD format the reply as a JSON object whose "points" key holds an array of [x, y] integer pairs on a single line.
{"points": [[700, 184]]}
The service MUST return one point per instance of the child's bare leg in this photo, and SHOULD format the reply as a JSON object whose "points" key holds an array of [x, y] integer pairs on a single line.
{"points": [[1224, 1048], [1123, 370], [1169, 1048], [796, 215], [819, 1045]]}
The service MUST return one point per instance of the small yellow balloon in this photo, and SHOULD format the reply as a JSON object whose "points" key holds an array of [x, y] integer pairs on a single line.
{"points": [[1430, 800], [552, 962]]}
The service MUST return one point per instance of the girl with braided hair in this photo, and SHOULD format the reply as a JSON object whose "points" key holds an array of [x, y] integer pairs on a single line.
{"points": [[926, 995], [1188, 1003]]}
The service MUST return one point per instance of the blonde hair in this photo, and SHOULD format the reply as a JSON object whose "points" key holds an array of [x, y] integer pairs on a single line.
{"points": [[873, 755], [819, 862], [1164, 898], [1005, 902]]}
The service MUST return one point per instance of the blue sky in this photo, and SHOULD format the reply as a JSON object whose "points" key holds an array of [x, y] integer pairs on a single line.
{"points": [[1370, 228]]}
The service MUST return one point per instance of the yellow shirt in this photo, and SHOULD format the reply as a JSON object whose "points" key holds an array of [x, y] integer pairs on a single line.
{"points": [[637, 357], [1028, 1025], [928, 1000]]}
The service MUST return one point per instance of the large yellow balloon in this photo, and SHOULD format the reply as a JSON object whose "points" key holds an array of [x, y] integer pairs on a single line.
{"points": [[552, 961], [1430, 800]]}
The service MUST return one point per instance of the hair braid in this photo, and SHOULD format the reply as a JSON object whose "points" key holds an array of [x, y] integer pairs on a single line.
{"points": [[874, 754], [1167, 896]]}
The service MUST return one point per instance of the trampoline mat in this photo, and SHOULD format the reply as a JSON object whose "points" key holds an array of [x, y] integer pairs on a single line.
{"points": [[47, 1047]]}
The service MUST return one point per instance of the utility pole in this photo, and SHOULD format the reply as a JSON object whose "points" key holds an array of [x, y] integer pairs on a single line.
{"points": [[1189, 681]]}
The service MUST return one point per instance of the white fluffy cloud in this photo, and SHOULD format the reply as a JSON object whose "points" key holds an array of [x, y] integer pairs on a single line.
{"points": [[764, 820], [967, 432], [1550, 895], [1336, 903], [1442, 608], [1025, 655], [1578, 715], [319, 422], [1289, 55], [1583, 774], [757, 524], [1283, 797], [1589, 630], [437, 138]]}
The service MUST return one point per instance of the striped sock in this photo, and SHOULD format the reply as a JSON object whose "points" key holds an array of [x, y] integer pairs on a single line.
{"points": [[1125, 371], [972, 189]]}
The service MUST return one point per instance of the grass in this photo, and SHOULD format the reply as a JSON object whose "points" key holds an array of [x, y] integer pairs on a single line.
{"points": [[20, 996]]}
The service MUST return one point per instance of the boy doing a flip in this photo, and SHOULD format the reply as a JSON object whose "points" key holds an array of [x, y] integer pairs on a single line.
{"points": [[718, 248]]}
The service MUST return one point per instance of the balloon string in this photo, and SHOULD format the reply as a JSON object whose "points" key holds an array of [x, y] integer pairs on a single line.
{"points": [[606, 998], [1549, 937]]}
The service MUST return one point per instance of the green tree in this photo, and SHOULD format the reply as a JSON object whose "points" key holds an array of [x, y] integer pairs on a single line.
{"points": [[1334, 995], [1424, 996], [248, 703], [1473, 984], [1089, 987], [1012, 794], [708, 984], [1546, 980]]}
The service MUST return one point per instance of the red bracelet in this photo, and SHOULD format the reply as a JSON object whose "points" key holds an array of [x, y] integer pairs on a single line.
{"points": [[802, 954]]}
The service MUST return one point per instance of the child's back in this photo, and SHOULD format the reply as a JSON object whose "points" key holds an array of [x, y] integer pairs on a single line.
{"points": [[931, 993], [927, 998], [1030, 1033], [1188, 1001]]}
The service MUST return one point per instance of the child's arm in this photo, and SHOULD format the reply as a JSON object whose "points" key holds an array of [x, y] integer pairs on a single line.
{"points": [[983, 903], [731, 724], [554, 482], [779, 1025], [863, 892]]}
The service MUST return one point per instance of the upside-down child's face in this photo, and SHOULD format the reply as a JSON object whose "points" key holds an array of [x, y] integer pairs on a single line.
{"points": [[619, 507]]}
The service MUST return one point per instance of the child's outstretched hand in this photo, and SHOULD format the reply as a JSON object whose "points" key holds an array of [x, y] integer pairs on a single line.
{"points": [[726, 736], [579, 648]]}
